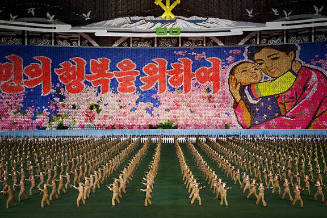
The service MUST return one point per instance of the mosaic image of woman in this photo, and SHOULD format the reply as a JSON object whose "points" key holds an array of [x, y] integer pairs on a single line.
{"points": [[302, 106]]}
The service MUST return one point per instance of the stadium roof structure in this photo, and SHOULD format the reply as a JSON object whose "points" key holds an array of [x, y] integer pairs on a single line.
{"points": [[191, 27], [146, 26]]}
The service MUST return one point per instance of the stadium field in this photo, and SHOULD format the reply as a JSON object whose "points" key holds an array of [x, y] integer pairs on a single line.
{"points": [[169, 197]]}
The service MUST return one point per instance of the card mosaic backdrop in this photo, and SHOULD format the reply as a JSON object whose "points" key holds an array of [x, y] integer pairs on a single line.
{"points": [[184, 88]]}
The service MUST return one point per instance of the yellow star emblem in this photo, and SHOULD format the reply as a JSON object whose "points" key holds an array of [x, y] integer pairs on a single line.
{"points": [[167, 8]]}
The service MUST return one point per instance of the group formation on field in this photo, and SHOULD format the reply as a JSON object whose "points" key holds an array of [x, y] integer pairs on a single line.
{"points": [[288, 167]]}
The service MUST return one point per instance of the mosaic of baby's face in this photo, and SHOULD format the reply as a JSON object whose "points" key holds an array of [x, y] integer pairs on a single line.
{"points": [[248, 73]]}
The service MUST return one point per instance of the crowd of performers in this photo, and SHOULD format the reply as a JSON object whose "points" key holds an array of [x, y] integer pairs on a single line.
{"points": [[127, 174], [288, 167], [90, 162], [189, 180], [266, 165]]}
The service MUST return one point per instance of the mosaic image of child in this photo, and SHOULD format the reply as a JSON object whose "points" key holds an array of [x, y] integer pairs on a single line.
{"points": [[256, 97]]}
